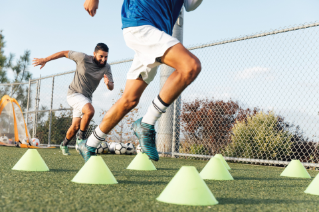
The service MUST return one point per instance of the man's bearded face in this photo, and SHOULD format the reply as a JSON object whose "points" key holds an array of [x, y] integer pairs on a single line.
{"points": [[100, 58]]}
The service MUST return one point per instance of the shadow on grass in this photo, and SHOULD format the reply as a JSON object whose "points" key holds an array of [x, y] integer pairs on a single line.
{"points": [[175, 169], [63, 170], [267, 179], [234, 201], [142, 182]]}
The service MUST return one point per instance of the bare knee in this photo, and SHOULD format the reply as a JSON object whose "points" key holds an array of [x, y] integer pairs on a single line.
{"points": [[193, 69], [90, 113]]}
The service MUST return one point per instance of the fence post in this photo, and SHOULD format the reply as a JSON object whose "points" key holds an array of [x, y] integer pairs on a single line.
{"points": [[28, 102], [37, 99], [11, 94], [36, 105], [168, 131], [50, 115]]}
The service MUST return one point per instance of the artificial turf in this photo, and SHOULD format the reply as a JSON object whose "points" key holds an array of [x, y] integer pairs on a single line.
{"points": [[255, 188]]}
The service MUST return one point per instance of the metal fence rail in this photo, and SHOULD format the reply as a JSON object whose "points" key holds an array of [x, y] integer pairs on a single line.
{"points": [[254, 101]]}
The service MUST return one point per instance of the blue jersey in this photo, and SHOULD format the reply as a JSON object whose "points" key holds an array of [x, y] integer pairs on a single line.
{"points": [[161, 14]]}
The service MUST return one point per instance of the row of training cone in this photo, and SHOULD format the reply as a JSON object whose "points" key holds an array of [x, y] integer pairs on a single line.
{"points": [[186, 188], [95, 171], [216, 169]]}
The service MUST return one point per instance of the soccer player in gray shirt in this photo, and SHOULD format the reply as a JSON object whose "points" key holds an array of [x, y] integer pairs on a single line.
{"points": [[89, 72]]}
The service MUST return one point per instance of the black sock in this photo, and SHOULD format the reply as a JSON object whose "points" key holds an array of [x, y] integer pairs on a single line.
{"points": [[66, 141], [82, 134]]}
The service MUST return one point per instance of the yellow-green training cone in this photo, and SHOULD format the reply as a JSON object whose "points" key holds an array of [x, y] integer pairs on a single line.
{"points": [[295, 169], [223, 160], [95, 171], [313, 188], [187, 188], [215, 170], [141, 162], [31, 161]]}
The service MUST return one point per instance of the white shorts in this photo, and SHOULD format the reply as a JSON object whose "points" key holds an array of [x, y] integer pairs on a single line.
{"points": [[148, 43], [77, 102]]}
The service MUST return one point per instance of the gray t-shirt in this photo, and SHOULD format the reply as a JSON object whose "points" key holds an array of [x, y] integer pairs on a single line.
{"points": [[87, 75]]}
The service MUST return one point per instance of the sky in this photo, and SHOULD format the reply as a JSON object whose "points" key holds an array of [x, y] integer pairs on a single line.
{"points": [[46, 27], [257, 73]]}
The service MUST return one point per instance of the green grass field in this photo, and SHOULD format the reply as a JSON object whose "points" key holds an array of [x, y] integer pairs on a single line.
{"points": [[255, 188]]}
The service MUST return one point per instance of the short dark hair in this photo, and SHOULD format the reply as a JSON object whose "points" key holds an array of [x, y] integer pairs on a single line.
{"points": [[101, 46]]}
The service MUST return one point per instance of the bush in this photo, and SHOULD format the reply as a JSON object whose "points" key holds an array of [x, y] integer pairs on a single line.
{"points": [[262, 136]]}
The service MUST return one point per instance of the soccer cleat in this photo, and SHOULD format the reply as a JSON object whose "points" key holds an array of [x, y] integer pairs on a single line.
{"points": [[64, 149], [86, 151], [77, 142], [146, 135]]}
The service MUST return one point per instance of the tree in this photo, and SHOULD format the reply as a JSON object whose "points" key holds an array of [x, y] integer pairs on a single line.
{"points": [[3, 59], [206, 124], [20, 74]]}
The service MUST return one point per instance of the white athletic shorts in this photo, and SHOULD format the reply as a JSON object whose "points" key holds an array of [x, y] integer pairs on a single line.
{"points": [[148, 43], [77, 102]]}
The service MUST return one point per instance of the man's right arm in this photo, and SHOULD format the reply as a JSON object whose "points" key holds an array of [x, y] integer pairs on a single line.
{"points": [[43, 61]]}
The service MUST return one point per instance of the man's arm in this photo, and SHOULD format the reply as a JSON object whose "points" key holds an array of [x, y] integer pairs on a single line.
{"points": [[109, 85], [191, 5], [43, 61], [91, 6]]}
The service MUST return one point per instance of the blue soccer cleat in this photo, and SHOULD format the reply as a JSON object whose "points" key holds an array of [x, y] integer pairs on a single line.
{"points": [[146, 135], [86, 151]]}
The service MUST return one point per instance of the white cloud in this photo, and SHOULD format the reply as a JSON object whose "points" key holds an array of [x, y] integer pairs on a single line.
{"points": [[253, 72]]}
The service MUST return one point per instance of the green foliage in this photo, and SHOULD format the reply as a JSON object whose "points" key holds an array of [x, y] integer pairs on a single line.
{"points": [[20, 74], [262, 136], [3, 74], [198, 149]]}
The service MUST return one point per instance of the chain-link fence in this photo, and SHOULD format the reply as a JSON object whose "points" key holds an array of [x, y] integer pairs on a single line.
{"points": [[255, 101]]}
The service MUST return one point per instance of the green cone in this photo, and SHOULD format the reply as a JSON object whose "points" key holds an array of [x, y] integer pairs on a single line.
{"points": [[31, 161], [313, 188], [187, 188], [141, 162], [215, 170], [295, 169], [95, 171], [223, 160]]}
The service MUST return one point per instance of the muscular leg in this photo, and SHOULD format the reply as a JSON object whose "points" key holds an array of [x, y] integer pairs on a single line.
{"points": [[73, 128], [88, 113], [130, 98], [187, 67]]}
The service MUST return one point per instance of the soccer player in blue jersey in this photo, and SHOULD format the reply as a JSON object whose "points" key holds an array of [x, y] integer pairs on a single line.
{"points": [[147, 29]]}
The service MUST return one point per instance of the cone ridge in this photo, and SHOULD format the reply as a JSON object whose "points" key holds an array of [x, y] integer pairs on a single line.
{"points": [[215, 170], [295, 169], [95, 171], [141, 162], [313, 188], [223, 161], [187, 188], [31, 161]]}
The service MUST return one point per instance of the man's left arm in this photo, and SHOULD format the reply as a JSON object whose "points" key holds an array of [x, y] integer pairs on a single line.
{"points": [[191, 5]]}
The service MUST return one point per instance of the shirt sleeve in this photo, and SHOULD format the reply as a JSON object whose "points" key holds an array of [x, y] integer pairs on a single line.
{"points": [[76, 56], [109, 73], [191, 5]]}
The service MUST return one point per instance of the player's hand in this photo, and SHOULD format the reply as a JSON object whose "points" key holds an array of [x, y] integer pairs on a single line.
{"points": [[91, 6], [106, 80], [39, 62]]}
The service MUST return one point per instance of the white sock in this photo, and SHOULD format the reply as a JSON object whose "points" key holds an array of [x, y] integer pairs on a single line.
{"points": [[155, 111], [96, 137]]}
